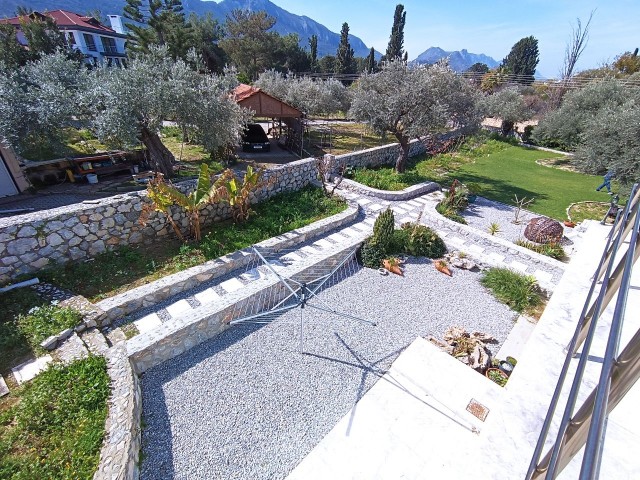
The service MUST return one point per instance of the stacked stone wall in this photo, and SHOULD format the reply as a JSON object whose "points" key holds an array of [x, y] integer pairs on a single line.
{"points": [[37, 240]]}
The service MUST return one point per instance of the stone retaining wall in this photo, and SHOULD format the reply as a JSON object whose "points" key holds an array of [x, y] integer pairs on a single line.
{"points": [[35, 240], [155, 292], [121, 447]]}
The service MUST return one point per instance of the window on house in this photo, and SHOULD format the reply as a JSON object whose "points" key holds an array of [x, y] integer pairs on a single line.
{"points": [[71, 39], [91, 44], [109, 45]]}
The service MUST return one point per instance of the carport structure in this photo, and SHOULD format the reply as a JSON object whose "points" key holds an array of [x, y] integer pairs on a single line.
{"points": [[264, 105]]}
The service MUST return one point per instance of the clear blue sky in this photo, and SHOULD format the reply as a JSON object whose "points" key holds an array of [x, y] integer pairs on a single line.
{"points": [[490, 27]]}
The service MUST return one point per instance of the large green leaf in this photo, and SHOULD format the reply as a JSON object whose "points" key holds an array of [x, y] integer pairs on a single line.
{"points": [[203, 190]]}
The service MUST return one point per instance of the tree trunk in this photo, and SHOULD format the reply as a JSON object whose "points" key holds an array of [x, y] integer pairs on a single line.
{"points": [[161, 158], [401, 163], [506, 128]]}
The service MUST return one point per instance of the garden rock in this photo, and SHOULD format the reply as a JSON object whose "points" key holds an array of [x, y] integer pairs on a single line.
{"points": [[460, 262], [50, 343], [543, 230]]}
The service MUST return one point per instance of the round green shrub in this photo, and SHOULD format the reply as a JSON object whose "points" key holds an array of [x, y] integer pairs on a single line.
{"points": [[424, 242], [399, 242], [383, 228], [372, 253]]}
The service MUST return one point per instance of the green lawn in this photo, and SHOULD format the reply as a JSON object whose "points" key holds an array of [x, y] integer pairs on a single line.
{"points": [[500, 171]]}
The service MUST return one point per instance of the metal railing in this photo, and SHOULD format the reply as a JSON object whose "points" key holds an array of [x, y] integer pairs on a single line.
{"points": [[619, 370]]}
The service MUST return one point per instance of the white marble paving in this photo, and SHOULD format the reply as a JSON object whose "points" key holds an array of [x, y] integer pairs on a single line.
{"points": [[207, 296], [181, 306], [28, 370], [519, 266], [232, 285], [148, 322]]}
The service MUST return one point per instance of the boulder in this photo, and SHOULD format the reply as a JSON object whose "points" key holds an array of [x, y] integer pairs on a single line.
{"points": [[543, 230]]}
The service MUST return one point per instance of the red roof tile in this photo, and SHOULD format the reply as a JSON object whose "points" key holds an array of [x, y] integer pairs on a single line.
{"points": [[64, 18]]}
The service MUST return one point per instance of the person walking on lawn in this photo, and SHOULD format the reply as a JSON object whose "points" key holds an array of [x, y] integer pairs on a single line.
{"points": [[606, 183]]}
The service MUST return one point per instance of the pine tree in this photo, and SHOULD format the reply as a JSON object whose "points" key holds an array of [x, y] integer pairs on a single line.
{"points": [[523, 60], [344, 55], [395, 49], [160, 19]]}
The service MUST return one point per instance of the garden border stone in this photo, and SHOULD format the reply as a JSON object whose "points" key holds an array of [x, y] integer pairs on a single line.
{"points": [[394, 196]]}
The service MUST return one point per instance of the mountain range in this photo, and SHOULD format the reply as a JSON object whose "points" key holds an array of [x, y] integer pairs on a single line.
{"points": [[458, 60], [286, 23]]}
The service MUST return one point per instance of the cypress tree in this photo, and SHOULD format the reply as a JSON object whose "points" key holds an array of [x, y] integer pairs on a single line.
{"points": [[313, 44], [523, 60], [395, 49], [371, 61], [344, 55]]}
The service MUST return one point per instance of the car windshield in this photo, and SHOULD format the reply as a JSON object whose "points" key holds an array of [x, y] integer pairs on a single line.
{"points": [[254, 134]]}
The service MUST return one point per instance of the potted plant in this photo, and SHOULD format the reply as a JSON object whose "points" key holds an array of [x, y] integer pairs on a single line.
{"points": [[442, 266], [393, 265], [473, 189], [497, 376]]}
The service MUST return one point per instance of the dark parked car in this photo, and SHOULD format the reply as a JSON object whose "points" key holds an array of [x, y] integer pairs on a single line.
{"points": [[254, 139]]}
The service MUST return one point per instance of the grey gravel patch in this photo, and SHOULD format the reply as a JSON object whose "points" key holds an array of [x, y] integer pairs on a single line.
{"points": [[193, 302], [483, 212], [247, 405], [163, 315]]}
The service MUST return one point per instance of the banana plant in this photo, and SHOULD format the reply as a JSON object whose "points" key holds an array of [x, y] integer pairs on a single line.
{"points": [[239, 193], [164, 195]]}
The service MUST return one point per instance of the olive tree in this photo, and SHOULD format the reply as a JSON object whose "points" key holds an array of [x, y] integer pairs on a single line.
{"points": [[509, 105], [129, 105], [39, 99], [414, 102], [565, 126], [312, 96]]}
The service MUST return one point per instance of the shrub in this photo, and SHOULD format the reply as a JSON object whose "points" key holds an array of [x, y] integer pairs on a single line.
{"points": [[424, 242], [551, 249], [383, 228], [520, 292], [372, 253], [42, 322], [399, 242], [450, 213]]}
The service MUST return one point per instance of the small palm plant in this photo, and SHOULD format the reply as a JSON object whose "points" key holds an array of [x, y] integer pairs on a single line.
{"points": [[165, 195]]}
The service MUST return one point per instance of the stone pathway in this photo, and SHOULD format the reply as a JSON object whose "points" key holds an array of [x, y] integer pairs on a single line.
{"points": [[203, 300]]}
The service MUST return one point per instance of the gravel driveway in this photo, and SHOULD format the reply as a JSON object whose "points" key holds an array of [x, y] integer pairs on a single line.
{"points": [[247, 405]]}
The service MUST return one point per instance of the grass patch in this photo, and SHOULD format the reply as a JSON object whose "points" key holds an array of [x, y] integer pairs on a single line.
{"points": [[519, 292], [339, 138], [588, 211], [116, 271], [73, 142], [500, 170], [53, 426], [552, 249], [14, 344]]}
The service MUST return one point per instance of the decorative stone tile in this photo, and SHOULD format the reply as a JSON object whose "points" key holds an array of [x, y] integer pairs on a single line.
{"points": [[323, 243], [148, 322], [407, 219], [207, 296], [521, 267], [544, 277], [4, 390], [477, 249], [337, 237], [363, 201], [182, 306], [309, 250], [496, 257], [376, 207], [249, 276], [28, 370], [231, 285], [456, 241], [399, 211]]}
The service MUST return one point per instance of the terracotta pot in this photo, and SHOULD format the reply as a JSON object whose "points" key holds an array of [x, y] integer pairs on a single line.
{"points": [[498, 372], [442, 267], [569, 223], [392, 267]]}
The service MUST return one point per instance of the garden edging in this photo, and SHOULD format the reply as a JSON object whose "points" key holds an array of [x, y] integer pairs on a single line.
{"points": [[394, 196]]}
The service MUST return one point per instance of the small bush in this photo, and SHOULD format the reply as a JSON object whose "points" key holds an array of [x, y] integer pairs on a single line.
{"points": [[372, 253], [383, 228], [42, 322], [551, 249], [450, 213], [424, 242], [520, 292], [399, 242]]}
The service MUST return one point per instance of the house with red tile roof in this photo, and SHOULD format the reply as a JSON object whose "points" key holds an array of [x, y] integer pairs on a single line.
{"points": [[98, 43]]}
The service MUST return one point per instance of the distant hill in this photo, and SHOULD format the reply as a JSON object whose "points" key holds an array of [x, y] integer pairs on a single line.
{"points": [[458, 60], [286, 22]]}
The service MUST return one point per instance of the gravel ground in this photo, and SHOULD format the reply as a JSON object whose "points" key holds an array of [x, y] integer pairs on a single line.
{"points": [[247, 405], [483, 213]]}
